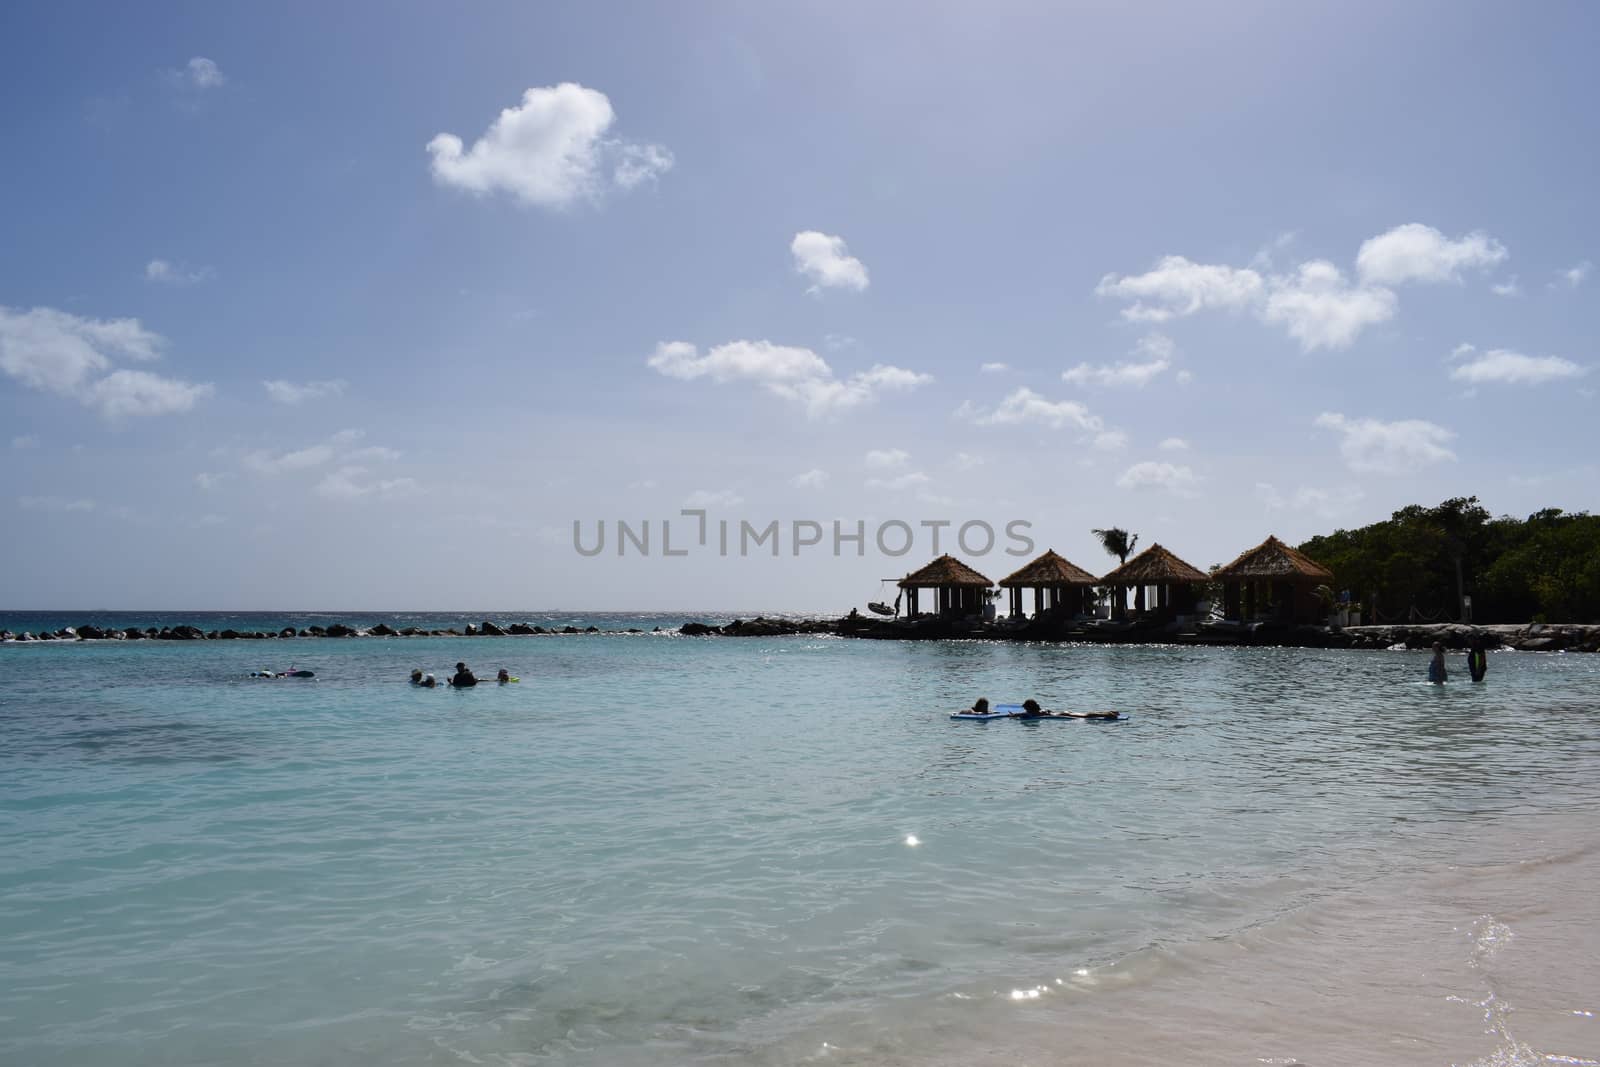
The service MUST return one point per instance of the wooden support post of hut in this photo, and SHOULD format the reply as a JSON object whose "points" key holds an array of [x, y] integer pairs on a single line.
{"points": [[958, 590], [1059, 587], [1273, 582], [1176, 584]]}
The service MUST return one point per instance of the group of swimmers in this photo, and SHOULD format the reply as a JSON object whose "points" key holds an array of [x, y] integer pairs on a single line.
{"points": [[1477, 663], [462, 679], [1032, 710]]}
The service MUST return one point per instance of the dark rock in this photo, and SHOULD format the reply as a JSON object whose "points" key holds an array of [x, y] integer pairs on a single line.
{"points": [[287, 631], [339, 629], [91, 633], [66, 633], [412, 631], [133, 634], [45, 635], [696, 629], [634, 630], [212, 636], [383, 629], [520, 629], [229, 635], [489, 629], [314, 631], [452, 632], [570, 630], [184, 633], [592, 630]]}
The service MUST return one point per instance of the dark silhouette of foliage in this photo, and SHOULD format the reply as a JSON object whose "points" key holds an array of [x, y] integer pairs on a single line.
{"points": [[1420, 561]]}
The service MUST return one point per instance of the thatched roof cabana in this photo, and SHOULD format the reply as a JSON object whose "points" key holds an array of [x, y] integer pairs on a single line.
{"points": [[1173, 579], [960, 589], [1056, 583], [1276, 582]]}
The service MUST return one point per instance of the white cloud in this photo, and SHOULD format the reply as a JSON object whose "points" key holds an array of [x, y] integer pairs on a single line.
{"points": [[1174, 444], [797, 374], [1324, 503], [1172, 477], [1513, 368], [60, 353], [887, 457], [1177, 287], [713, 499], [166, 272], [966, 461], [53, 504], [1388, 447], [26, 440], [1110, 441], [1509, 287], [199, 73], [208, 482], [1025, 406], [827, 262], [994, 368], [350, 483], [284, 392], [373, 453], [811, 479], [1417, 253], [1576, 275], [137, 393], [283, 462], [1183, 377], [52, 350], [1112, 375], [551, 151], [909, 480], [1320, 309]]}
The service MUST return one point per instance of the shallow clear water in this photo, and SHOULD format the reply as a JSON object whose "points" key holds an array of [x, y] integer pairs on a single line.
{"points": [[660, 848]]}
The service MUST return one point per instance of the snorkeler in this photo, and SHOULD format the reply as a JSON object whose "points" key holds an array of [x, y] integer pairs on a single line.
{"points": [[1436, 672], [1477, 660]]}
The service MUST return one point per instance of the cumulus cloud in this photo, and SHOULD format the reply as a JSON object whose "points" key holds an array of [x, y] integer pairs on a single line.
{"points": [[282, 462], [291, 393], [165, 272], [1324, 503], [1174, 444], [1172, 477], [994, 368], [352, 483], [1502, 366], [713, 499], [796, 374], [1577, 274], [1027, 406], [811, 479], [1110, 441], [71, 356], [1320, 309], [136, 392], [199, 73], [827, 262], [1136, 375], [208, 481], [550, 151], [1178, 286], [1417, 253], [1378, 447], [1509, 287], [887, 457]]}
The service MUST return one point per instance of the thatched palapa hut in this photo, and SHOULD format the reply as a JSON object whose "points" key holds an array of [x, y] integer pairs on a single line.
{"points": [[1058, 585], [959, 589], [1276, 582], [1176, 583]]}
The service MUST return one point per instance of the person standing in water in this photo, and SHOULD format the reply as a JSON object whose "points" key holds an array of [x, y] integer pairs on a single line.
{"points": [[1436, 672], [1477, 660], [463, 678]]}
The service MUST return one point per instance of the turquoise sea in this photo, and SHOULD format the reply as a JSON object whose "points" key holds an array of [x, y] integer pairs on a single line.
{"points": [[657, 849]]}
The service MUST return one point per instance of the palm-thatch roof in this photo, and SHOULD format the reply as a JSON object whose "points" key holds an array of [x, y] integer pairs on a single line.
{"points": [[1049, 569], [1275, 561], [1153, 566], [946, 570]]}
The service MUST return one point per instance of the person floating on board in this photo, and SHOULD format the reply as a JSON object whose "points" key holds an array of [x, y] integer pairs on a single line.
{"points": [[1477, 660], [1436, 672], [1031, 710], [463, 678], [503, 676], [980, 706], [416, 677], [428, 682]]}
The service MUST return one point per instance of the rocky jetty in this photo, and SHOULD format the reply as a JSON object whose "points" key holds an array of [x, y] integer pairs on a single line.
{"points": [[1531, 637]]}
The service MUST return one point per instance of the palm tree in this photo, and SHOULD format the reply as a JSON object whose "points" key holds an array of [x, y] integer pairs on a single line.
{"points": [[1119, 543]]}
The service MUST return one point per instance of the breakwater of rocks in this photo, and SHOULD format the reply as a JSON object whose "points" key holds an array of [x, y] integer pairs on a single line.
{"points": [[1530, 637]]}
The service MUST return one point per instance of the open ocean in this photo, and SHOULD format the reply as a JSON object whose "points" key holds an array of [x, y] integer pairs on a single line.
{"points": [[666, 850]]}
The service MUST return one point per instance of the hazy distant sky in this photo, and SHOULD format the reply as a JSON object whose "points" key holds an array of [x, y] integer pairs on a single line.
{"points": [[361, 305]]}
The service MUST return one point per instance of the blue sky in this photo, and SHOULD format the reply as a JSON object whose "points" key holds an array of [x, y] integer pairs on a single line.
{"points": [[363, 307]]}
